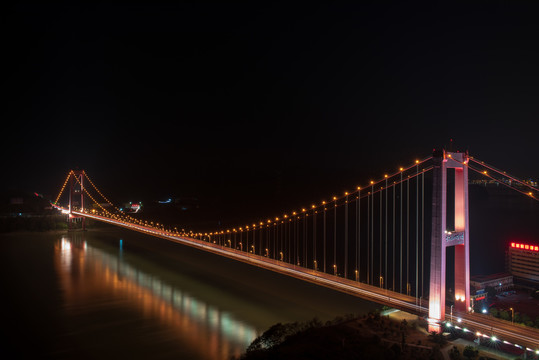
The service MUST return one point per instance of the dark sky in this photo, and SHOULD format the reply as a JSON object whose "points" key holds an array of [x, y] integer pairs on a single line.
{"points": [[262, 105]]}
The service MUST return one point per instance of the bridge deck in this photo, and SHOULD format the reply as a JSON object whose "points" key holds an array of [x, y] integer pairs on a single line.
{"points": [[525, 336]]}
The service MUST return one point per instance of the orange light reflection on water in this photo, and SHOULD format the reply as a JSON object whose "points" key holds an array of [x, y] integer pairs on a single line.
{"points": [[85, 270]]}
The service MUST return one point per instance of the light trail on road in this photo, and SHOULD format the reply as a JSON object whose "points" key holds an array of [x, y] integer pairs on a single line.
{"points": [[527, 337]]}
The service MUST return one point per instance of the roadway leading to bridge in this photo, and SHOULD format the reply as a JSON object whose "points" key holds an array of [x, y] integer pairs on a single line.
{"points": [[524, 336]]}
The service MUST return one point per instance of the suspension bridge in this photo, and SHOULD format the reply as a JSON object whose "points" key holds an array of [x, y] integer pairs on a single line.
{"points": [[385, 241]]}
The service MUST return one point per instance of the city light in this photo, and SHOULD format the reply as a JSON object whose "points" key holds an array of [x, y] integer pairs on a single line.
{"points": [[525, 246]]}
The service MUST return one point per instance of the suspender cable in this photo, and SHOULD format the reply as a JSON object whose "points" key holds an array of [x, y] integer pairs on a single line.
{"points": [[358, 234], [315, 264], [380, 279], [335, 238], [417, 232], [385, 261], [324, 236], [283, 239], [372, 236], [304, 240], [346, 237], [408, 237], [422, 229], [275, 234], [400, 234], [269, 241], [296, 229], [393, 218], [289, 242], [280, 238], [368, 237], [306, 237]]}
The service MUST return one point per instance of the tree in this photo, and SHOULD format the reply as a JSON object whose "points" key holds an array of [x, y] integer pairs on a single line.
{"points": [[437, 338], [526, 320], [396, 349], [454, 353], [494, 312], [505, 315], [470, 352], [274, 336]]}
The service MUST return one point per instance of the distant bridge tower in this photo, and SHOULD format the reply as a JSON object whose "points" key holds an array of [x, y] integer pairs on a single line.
{"points": [[76, 197], [442, 237]]}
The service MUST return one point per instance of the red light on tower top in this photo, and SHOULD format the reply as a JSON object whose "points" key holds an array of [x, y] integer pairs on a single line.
{"points": [[525, 247]]}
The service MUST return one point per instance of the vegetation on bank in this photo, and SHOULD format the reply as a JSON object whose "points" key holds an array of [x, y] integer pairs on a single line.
{"points": [[39, 223], [518, 318], [367, 337], [506, 313], [32, 223], [23, 211]]}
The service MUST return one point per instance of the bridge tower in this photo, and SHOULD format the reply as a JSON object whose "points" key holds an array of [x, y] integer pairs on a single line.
{"points": [[442, 237], [76, 197]]}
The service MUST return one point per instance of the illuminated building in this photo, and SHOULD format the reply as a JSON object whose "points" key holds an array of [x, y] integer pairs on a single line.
{"points": [[500, 282], [523, 261]]}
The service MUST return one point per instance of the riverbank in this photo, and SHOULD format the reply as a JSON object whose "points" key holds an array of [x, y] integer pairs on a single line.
{"points": [[41, 223], [389, 335], [372, 336]]}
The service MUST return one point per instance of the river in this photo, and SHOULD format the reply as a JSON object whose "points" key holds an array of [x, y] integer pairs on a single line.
{"points": [[110, 293]]}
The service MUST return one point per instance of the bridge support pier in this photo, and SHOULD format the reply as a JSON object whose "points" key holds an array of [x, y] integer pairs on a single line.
{"points": [[442, 237]]}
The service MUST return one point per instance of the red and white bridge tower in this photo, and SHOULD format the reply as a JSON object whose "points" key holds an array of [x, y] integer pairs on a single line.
{"points": [[442, 237], [76, 196]]}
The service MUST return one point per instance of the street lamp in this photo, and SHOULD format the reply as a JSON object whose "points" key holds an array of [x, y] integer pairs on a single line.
{"points": [[512, 315], [281, 253], [451, 313], [315, 265], [381, 281], [334, 269]]}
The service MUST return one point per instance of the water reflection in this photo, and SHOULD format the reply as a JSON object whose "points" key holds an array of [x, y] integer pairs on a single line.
{"points": [[87, 271]]}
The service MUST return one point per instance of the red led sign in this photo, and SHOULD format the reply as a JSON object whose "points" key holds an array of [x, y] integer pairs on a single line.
{"points": [[525, 247]]}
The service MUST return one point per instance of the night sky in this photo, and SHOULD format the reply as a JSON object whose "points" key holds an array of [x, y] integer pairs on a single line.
{"points": [[255, 107]]}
